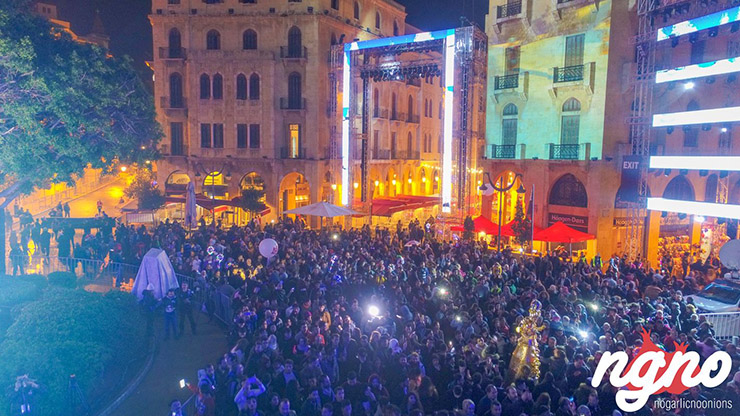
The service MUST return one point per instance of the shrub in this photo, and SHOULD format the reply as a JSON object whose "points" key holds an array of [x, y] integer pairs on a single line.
{"points": [[70, 332], [16, 290], [63, 279]]}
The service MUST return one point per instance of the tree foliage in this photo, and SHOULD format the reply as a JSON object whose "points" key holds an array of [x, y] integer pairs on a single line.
{"points": [[522, 225], [144, 190], [70, 332], [468, 228], [64, 105], [252, 201]]}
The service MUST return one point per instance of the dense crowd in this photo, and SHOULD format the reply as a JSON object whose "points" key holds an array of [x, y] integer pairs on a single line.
{"points": [[378, 322]]}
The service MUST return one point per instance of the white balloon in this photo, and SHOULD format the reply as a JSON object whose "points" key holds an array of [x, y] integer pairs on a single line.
{"points": [[729, 254], [268, 247]]}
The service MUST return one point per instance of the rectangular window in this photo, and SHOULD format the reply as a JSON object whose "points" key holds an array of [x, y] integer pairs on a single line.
{"points": [[508, 131], [569, 129], [697, 52], [512, 60], [241, 136], [218, 136], [254, 136], [294, 140], [574, 50], [177, 147], [205, 135], [690, 137]]}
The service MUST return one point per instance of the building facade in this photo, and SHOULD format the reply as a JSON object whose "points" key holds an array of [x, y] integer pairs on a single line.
{"points": [[246, 97], [559, 91]]}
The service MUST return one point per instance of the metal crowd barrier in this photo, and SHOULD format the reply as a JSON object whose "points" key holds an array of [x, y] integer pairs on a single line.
{"points": [[209, 298], [726, 325]]}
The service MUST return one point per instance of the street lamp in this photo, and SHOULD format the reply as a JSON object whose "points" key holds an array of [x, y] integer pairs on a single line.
{"points": [[212, 174], [501, 191]]}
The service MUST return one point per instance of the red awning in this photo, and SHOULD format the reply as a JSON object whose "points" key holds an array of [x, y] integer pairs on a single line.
{"points": [[561, 233], [508, 230], [481, 224]]}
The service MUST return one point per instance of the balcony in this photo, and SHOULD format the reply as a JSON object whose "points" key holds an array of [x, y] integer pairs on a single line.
{"points": [[381, 154], [564, 151], [573, 77], [405, 154], [172, 53], [398, 116], [501, 151], [413, 118], [568, 73], [292, 153], [560, 5], [511, 8], [414, 82], [380, 113], [173, 107], [293, 53], [505, 82], [287, 103]]}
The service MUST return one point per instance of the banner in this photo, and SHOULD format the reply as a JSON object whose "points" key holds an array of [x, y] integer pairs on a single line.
{"points": [[629, 190], [576, 222]]}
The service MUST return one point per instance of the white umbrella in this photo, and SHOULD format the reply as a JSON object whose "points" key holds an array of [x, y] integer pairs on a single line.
{"points": [[323, 209], [191, 214]]}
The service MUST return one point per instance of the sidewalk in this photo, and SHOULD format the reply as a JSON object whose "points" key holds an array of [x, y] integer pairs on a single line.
{"points": [[175, 360]]}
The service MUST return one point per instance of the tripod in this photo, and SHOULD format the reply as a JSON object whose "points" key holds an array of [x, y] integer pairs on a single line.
{"points": [[77, 402]]}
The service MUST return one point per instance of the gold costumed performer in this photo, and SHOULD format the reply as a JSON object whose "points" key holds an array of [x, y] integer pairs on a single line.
{"points": [[525, 361]]}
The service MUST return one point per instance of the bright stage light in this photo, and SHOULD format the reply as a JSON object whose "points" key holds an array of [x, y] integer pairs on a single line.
{"points": [[726, 163], [707, 69], [449, 96], [583, 334], [688, 86], [685, 118], [705, 209], [373, 311], [724, 130], [700, 23]]}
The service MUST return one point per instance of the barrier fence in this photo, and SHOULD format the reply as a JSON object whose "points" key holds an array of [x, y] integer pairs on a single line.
{"points": [[212, 300], [726, 325]]}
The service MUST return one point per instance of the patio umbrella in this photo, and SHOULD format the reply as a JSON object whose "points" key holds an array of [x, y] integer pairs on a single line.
{"points": [[191, 215], [323, 209]]}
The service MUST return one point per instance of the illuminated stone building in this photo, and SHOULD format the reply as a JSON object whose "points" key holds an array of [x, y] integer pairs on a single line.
{"points": [[244, 92], [49, 10], [559, 94]]}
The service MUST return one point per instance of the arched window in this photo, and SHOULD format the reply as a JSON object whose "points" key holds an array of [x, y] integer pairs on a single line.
{"points": [[241, 87], [294, 90], [411, 107], [218, 87], [377, 20], [176, 100], [569, 191], [710, 193], [679, 188], [571, 122], [205, 87], [249, 39], [394, 110], [509, 125], [335, 4], [254, 87], [409, 144], [357, 10], [395, 28], [213, 40], [295, 44], [175, 45]]}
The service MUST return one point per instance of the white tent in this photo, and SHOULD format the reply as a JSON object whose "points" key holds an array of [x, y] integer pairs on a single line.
{"points": [[155, 273]]}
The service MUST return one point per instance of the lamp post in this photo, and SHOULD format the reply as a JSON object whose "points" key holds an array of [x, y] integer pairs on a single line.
{"points": [[212, 174], [501, 191]]}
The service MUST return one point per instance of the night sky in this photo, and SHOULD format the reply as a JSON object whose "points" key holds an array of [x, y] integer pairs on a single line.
{"points": [[127, 24]]}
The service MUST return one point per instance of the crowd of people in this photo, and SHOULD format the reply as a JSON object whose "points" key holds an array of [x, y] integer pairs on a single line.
{"points": [[377, 322]]}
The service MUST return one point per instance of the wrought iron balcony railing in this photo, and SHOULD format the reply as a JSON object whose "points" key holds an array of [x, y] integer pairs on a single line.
{"points": [[512, 8], [503, 82], [564, 151], [568, 73]]}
